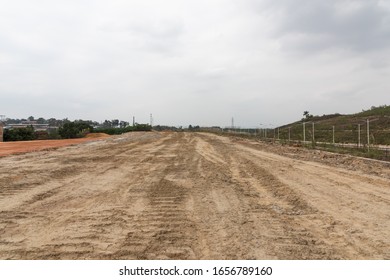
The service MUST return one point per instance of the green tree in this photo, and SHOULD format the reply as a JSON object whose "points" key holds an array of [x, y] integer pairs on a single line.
{"points": [[107, 124], [115, 123], [52, 122], [142, 127], [74, 129], [19, 134], [307, 115], [41, 121]]}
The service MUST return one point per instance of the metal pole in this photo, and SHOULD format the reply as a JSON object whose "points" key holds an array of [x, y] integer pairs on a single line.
{"points": [[313, 134], [359, 135], [333, 135]]}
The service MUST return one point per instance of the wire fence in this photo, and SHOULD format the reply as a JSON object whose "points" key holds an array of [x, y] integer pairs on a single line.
{"points": [[362, 137]]}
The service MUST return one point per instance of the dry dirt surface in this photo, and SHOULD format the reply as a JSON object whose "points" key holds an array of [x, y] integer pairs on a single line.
{"points": [[152, 195], [20, 147]]}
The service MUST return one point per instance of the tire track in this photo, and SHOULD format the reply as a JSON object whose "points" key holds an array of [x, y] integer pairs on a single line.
{"points": [[186, 196]]}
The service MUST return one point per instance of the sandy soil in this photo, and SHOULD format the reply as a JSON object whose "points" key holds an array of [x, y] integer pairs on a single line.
{"points": [[19, 147], [190, 196]]}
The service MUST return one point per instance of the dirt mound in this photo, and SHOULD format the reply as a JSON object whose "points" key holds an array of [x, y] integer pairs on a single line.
{"points": [[96, 135]]}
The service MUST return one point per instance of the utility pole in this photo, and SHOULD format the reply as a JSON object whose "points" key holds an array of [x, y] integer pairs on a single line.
{"points": [[133, 121], [278, 133], [304, 133], [151, 120], [232, 122]]}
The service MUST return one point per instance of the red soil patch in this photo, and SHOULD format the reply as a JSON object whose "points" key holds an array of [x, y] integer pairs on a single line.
{"points": [[17, 147]]}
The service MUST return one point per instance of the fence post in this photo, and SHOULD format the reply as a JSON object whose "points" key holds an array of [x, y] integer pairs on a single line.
{"points": [[313, 135], [359, 135], [333, 135]]}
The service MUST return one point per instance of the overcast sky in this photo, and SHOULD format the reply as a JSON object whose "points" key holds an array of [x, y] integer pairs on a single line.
{"points": [[197, 62]]}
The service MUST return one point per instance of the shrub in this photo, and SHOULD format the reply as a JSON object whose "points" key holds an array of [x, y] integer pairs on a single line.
{"points": [[19, 134], [77, 129]]}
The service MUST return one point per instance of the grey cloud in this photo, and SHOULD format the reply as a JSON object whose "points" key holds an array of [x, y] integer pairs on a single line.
{"points": [[307, 25]]}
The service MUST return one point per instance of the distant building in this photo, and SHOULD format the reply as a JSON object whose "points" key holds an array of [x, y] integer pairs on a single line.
{"points": [[34, 124], [42, 131]]}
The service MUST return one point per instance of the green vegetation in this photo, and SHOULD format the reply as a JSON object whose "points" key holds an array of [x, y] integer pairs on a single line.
{"points": [[42, 129], [19, 134], [371, 125], [119, 130], [76, 129], [383, 110], [360, 152], [343, 130], [346, 127]]}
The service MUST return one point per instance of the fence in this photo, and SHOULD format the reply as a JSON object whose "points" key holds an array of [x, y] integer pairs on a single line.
{"points": [[364, 137]]}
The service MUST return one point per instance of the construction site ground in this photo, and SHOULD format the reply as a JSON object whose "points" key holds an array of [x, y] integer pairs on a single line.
{"points": [[179, 195], [20, 147]]}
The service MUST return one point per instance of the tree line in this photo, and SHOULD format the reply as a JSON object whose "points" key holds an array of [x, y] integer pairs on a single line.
{"points": [[66, 129]]}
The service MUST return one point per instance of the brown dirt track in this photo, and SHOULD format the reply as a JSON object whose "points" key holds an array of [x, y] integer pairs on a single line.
{"points": [[191, 196]]}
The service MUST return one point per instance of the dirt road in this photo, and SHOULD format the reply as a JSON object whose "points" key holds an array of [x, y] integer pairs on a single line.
{"points": [[188, 196]]}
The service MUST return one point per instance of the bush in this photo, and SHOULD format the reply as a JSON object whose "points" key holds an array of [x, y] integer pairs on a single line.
{"points": [[74, 129], [41, 135], [117, 131], [19, 134]]}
